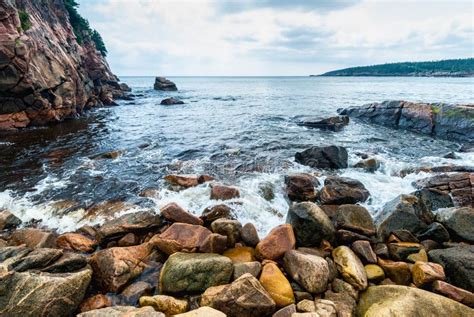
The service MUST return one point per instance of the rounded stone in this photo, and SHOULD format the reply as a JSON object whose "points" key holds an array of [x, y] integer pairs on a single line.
{"points": [[350, 267], [276, 284]]}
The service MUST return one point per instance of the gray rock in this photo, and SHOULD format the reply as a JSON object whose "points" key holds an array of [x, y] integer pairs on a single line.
{"points": [[342, 190], [459, 221], [335, 124], [355, 218], [310, 271], [171, 101], [323, 157], [161, 83]]}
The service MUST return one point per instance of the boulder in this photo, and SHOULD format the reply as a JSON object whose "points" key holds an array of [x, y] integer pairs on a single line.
{"points": [[323, 157], [249, 235], [33, 238], [168, 305], [403, 212], [350, 267], [181, 237], [245, 297], [398, 272], [123, 311], [355, 218], [458, 263], [433, 199], [171, 101], [301, 187], [8, 220], [175, 213], [194, 272], [115, 267], [276, 284], [459, 221], [364, 250], [342, 190], [187, 180], [310, 224], [309, 271], [214, 243], [276, 243], [68, 262], [435, 231], [229, 228], [161, 83], [36, 259], [42, 294], [395, 300], [335, 124], [76, 242], [242, 268], [222, 192]]}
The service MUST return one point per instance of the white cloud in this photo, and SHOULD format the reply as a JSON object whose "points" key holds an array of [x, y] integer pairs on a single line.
{"points": [[164, 37]]}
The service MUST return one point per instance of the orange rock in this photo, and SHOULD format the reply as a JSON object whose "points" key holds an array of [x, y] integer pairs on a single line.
{"points": [[276, 243], [95, 302], [175, 213], [277, 285], [76, 242], [33, 238], [398, 272], [240, 254], [427, 272], [186, 180], [222, 192], [181, 237]]}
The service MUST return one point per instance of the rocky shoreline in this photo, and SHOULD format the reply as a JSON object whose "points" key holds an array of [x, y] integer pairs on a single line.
{"points": [[330, 258]]}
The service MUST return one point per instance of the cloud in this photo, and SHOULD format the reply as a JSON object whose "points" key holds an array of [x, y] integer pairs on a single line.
{"points": [[210, 37]]}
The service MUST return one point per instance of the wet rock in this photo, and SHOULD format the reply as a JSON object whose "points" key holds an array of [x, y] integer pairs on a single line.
{"points": [[75, 242], [143, 221], [166, 304], [301, 187], [395, 300], [345, 305], [458, 263], [402, 235], [111, 155], [215, 212], [348, 237], [310, 271], [161, 83], [355, 218], [245, 297], [128, 240], [123, 311], [364, 251], [454, 293], [195, 272], [398, 272], [95, 302], [459, 221], [342, 190], [374, 273], [276, 243], [267, 191], [370, 164], [115, 267], [132, 293], [214, 243], [42, 294], [181, 237], [13, 253], [8, 220], [175, 213], [249, 235], [403, 212], [276, 284], [68, 262], [222, 192], [310, 224], [203, 312], [33, 238], [171, 101], [229, 228], [335, 124], [242, 268], [434, 231], [187, 180], [399, 251], [433, 199], [287, 311], [240, 254], [36, 259], [420, 256], [350, 267], [426, 272], [323, 157]]}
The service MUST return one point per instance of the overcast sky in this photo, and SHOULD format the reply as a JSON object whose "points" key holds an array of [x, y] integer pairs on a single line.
{"points": [[264, 37]]}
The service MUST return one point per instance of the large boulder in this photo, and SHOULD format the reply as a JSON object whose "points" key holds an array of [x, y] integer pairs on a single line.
{"points": [[332, 123], [458, 263], [459, 221], [403, 212], [309, 271], [161, 83], [33, 238], [194, 272], [175, 213], [323, 157], [181, 237], [301, 187], [355, 218], [42, 294], [342, 190], [310, 224], [245, 297], [395, 300], [76, 242]]}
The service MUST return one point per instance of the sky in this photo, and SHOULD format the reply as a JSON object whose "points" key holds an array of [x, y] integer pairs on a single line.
{"points": [[276, 37]]}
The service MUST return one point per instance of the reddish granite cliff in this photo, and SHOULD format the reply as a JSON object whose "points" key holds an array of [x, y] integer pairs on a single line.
{"points": [[46, 73]]}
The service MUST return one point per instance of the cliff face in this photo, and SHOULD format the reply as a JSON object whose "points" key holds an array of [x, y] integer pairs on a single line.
{"points": [[45, 74]]}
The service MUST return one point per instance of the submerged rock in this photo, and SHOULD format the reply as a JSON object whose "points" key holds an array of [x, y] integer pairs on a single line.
{"points": [[161, 83], [222, 192], [332, 123], [171, 101], [301, 187], [323, 157], [187, 180]]}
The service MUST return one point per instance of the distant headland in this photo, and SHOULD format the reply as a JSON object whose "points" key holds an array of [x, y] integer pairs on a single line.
{"points": [[443, 68]]}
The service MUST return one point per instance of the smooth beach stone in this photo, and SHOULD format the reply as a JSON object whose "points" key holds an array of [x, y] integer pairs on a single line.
{"points": [[123, 311], [175, 213], [420, 256], [374, 273], [395, 300], [229, 228], [340, 286], [401, 250], [276, 284], [364, 250], [204, 311], [354, 218], [276, 243], [253, 268], [427, 272], [245, 297], [310, 271], [240, 254], [350, 267], [249, 235], [194, 272], [76, 242], [345, 304], [398, 272], [165, 304], [301, 187], [310, 223]]}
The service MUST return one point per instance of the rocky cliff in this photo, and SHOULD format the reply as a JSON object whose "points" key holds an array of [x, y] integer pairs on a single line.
{"points": [[48, 71]]}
